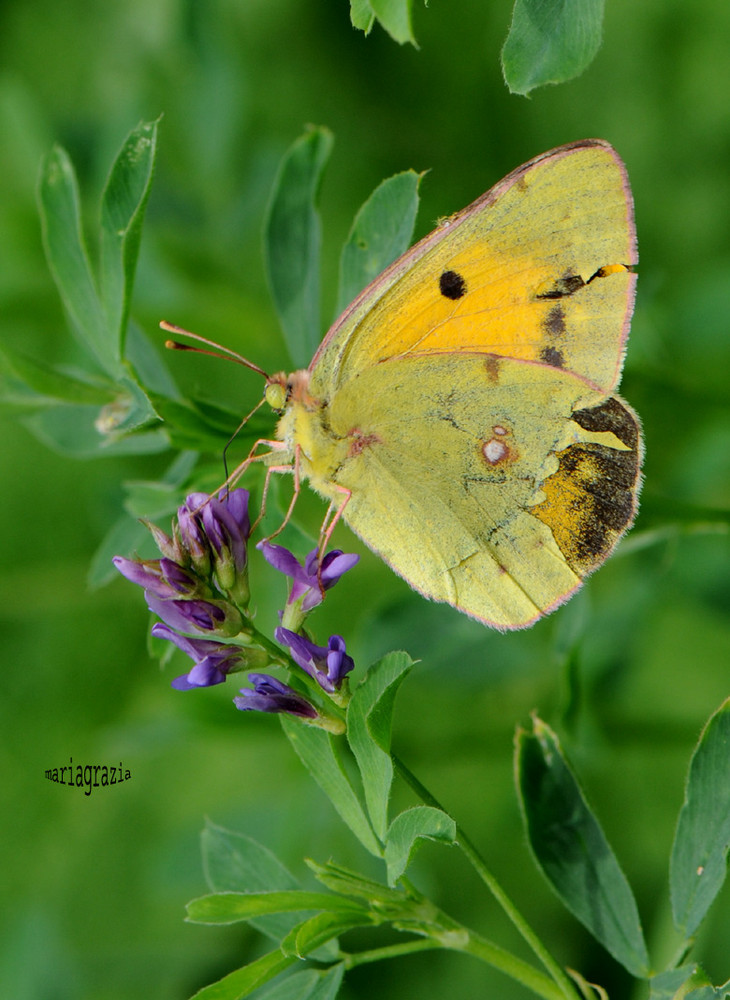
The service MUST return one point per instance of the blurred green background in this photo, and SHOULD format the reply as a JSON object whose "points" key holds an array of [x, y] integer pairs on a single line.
{"points": [[94, 887]]}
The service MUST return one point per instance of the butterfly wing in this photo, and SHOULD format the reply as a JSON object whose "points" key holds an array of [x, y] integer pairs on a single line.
{"points": [[536, 269], [466, 401], [495, 488]]}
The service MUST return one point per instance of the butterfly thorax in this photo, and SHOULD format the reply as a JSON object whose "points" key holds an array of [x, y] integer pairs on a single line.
{"points": [[304, 429]]}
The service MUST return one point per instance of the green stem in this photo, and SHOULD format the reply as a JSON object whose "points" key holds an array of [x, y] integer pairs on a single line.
{"points": [[275, 652], [561, 980], [468, 943], [523, 972], [391, 951]]}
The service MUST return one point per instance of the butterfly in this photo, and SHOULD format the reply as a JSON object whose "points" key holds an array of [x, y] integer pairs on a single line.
{"points": [[461, 414]]}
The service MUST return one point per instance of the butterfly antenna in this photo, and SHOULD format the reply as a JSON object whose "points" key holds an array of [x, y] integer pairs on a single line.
{"points": [[216, 350], [235, 434]]}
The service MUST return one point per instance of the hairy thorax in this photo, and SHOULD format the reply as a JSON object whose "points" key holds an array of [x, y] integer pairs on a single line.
{"points": [[305, 430]]}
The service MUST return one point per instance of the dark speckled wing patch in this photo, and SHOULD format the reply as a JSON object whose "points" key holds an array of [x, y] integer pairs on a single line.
{"points": [[591, 499]]}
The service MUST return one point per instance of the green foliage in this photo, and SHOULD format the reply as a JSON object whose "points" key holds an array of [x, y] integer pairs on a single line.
{"points": [[245, 980], [408, 830], [699, 856], [234, 863], [550, 41], [682, 983], [381, 232], [61, 218], [572, 851], [319, 752], [292, 243], [66, 413], [393, 15], [369, 725], [122, 213]]}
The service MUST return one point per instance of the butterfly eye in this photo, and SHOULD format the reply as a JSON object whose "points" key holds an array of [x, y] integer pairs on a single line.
{"points": [[276, 395]]}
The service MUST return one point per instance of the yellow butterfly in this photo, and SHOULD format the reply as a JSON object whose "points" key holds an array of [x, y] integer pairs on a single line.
{"points": [[460, 415]]}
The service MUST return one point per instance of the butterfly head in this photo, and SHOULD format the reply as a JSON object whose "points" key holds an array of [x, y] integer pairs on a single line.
{"points": [[282, 390]]}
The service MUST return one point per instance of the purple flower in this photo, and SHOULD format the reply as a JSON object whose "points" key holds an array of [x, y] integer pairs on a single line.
{"points": [[311, 579], [228, 526], [161, 577], [195, 615], [213, 660], [271, 695], [328, 665], [214, 532], [189, 532]]}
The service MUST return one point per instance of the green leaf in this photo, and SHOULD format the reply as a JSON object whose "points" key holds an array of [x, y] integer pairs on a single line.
{"points": [[125, 536], [245, 980], [708, 993], [369, 723], [309, 984], [407, 831], [297, 986], [395, 17], [676, 983], [361, 15], [570, 847], [232, 907], [698, 864], [122, 213], [51, 383], [381, 232], [149, 368], [128, 536], [550, 41], [317, 750], [63, 240], [292, 243], [160, 498], [349, 883], [234, 862], [190, 427], [328, 984], [74, 431], [310, 935], [690, 982]]}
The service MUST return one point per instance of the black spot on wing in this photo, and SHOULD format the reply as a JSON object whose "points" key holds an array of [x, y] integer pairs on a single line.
{"points": [[452, 285], [554, 323], [552, 356], [566, 285]]}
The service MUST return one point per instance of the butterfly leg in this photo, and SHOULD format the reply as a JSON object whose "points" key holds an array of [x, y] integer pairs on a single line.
{"points": [[325, 532], [338, 506], [289, 467]]}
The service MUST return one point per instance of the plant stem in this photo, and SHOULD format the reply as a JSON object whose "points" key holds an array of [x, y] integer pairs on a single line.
{"points": [[559, 977], [390, 951], [473, 945], [522, 972]]}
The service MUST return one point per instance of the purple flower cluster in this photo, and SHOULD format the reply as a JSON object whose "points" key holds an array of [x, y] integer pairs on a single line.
{"points": [[199, 588], [200, 585]]}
